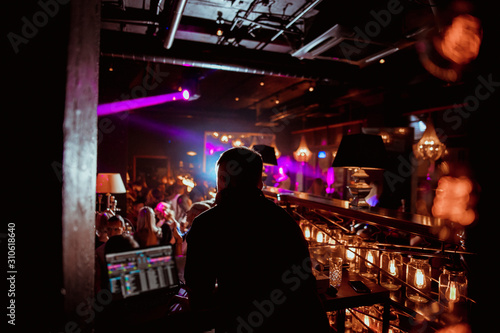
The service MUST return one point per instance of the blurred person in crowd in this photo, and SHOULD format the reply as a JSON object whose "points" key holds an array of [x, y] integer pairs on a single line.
{"points": [[120, 243], [181, 206], [101, 235], [134, 212], [199, 191], [115, 244], [139, 188], [318, 187], [196, 209], [115, 225], [147, 233], [254, 251], [154, 196], [166, 222]]}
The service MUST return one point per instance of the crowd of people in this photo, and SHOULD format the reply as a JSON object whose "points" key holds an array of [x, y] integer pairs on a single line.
{"points": [[157, 215]]}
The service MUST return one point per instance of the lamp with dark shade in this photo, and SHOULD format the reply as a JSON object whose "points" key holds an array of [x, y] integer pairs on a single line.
{"points": [[268, 154], [361, 152]]}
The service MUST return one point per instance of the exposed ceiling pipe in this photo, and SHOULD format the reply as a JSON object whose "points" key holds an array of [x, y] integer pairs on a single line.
{"points": [[176, 15], [205, 64], [301, 12]]}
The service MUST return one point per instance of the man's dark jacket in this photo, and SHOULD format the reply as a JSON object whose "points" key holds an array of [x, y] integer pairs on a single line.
{"points": [[257, 255]]}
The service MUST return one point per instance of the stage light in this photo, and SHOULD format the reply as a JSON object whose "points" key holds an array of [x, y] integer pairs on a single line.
{"points": [[131, 104]]}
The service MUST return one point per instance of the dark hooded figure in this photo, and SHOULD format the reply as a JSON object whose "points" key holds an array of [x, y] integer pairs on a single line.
{"points": [[248, 263]]}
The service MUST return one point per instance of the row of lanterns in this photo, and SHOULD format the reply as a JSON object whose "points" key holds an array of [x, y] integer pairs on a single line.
{"points": [[366, 259]]}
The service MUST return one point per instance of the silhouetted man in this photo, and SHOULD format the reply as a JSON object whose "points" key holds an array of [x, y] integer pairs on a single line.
{"points": [[256, 254]]}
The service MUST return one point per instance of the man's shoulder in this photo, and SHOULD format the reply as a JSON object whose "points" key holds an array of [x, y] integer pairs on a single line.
{"points": [[206, 218], [213, 211]]}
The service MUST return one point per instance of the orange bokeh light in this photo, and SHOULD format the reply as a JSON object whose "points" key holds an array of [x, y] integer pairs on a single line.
{"points": [[462, 39], [453, 200]]}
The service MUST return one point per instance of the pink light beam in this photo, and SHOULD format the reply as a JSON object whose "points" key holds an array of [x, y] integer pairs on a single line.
{"points": [[137, 103]]}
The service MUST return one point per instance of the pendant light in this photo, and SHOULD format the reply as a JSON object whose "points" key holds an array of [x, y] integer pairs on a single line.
{"points": [[302, 154], [429, 147]]}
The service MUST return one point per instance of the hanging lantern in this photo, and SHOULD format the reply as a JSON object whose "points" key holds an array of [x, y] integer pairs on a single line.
{"points": [[418, 273], [452, 285], [302, 154], [429, 147], [369, 255], [392, 269]]}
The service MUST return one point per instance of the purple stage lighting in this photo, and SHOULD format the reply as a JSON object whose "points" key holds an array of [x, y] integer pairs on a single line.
{"points": [[185, 94], [131, 104]]}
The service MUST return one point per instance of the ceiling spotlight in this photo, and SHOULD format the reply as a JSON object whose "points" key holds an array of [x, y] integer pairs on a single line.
{"points": [[220, 22], [382, 61], [261, 83]]}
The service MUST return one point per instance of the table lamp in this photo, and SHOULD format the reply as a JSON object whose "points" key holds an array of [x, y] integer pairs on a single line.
{"points": [[361, 152], [107, 183], [268, 154]]}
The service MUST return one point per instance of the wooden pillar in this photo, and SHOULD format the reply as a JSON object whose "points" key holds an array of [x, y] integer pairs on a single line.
{"points": [[79, 161]]}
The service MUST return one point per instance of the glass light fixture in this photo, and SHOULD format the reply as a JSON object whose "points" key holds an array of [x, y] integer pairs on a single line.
{"points": [[302, 154], [368, 264], [452, 285], [306, 227], [391, 264], [429, 147], [351, 243], [418, 272]]}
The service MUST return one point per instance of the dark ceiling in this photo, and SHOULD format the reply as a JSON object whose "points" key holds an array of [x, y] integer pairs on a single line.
{"points": [[269, 56]]}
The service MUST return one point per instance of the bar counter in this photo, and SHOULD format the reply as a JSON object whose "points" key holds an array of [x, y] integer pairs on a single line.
{"points": [[425, 226], [441, 242]]}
